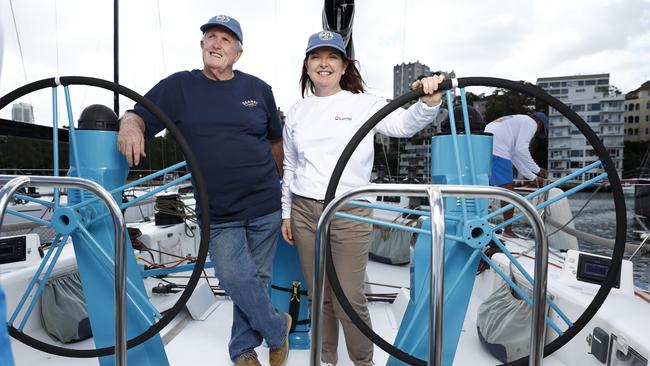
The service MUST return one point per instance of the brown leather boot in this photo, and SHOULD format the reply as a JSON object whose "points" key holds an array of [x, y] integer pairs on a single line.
{"points": [[278, 355], [248, 359]]}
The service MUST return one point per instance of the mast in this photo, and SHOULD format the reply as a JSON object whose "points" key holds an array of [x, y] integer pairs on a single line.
{"points": [[116, 55], [337, 17]]}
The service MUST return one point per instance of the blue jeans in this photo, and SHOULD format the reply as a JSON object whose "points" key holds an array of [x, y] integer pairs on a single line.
{"points": [[242, 254]]}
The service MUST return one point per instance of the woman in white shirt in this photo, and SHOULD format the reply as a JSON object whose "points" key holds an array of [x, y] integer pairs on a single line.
{"points": [[316, 131]]}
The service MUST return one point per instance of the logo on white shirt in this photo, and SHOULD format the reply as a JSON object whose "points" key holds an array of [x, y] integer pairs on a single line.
{"points": [[339, 118], [249, 103]]}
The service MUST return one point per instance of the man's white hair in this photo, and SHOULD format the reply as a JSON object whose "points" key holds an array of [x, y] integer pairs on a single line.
{"points": [[240, 46]]}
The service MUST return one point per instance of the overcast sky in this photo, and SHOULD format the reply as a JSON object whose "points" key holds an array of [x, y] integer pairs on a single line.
{"points": [[514, 39]]}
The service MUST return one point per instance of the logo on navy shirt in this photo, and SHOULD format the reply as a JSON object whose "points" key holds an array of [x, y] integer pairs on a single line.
{"points": [[339, 118], [249, 103]]}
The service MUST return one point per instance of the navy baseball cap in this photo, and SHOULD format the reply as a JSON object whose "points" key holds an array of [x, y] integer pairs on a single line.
{"points": [[544, 119], [325, 39], [224, 21]]}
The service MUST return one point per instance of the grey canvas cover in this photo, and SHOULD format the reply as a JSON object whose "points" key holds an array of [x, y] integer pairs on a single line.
{"points": [[391, 246], [503, 325], [63, 309]]}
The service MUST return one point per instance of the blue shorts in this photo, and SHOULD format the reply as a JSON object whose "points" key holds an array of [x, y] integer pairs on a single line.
{"points": [[501, 171]]}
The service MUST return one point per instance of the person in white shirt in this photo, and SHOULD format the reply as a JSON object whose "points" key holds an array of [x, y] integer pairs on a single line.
{"points": [[316, 131], [512, 135]]}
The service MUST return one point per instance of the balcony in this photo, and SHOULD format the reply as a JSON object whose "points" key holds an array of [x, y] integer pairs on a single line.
{"points": [[613, 145], [611, 133], [561, 123], [559, 145], [558, 158], [611, 110], [613, 121]]}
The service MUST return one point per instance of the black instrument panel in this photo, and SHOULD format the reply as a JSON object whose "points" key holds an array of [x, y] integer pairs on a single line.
{"points": [[13, 249], [593, 269]]}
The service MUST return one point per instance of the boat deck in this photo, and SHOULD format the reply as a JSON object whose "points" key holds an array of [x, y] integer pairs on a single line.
{"points": [[192, 342]]}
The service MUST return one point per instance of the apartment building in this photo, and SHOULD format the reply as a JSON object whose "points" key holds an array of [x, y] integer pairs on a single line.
{"points": [[591, 97], [637, 114]]}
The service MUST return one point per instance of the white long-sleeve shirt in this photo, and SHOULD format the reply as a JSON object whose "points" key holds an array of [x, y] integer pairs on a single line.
{"points": [[316, 131], [512, 135]]}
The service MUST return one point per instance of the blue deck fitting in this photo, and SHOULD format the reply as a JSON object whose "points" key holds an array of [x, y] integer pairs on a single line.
{"points": [[461, 260], [6, 357], [286, 270], [99, 160]]}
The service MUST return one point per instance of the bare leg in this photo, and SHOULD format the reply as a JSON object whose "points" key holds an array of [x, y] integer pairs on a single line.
{"points": [[507, 231]]}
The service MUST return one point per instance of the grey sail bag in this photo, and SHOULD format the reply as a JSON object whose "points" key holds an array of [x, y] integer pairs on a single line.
{"points": [[391, 246], [504, 321], [63, 309]]}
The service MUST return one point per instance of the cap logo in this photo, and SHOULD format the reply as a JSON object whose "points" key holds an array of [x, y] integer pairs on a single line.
{"points": [[325, 35], [222, 18]]}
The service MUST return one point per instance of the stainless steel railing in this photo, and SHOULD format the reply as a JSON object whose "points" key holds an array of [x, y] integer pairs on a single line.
{"points": [[13, 183], [435, 194]]}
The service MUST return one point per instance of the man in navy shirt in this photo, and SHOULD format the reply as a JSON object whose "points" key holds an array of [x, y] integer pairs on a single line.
{"points": [[230, 120]]}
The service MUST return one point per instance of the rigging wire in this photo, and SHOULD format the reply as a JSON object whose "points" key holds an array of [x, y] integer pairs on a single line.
{"points": [[581, 209], [20, 47], [56, 36], [383, 148], [639, 247], [399, 140], [162, 44], [403, 45], [275, 62]]}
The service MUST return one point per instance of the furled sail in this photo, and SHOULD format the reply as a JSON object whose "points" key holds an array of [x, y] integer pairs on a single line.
{"points": [[338, 16]]}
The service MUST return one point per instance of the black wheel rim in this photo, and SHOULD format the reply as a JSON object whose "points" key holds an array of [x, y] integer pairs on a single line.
{"points": [[601, 152], [199, 186]]}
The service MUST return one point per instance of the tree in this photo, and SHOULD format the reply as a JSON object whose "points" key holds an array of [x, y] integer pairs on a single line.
{"points": [[504, 102], [471, 98], [633, 152], [614, 90], [25, 154]]}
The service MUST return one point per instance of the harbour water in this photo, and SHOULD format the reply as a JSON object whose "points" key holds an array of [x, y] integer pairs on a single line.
{"points": [[598, 218]]}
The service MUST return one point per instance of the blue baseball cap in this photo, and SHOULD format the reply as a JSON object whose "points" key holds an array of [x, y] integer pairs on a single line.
{"points": [[544, 119], [325, 39], [224, 21]]}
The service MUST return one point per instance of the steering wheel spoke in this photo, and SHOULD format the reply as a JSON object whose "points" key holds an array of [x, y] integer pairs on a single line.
{"points": [[520, 292], [57, 246], [530, 279], [603, 169], [71, 219]]}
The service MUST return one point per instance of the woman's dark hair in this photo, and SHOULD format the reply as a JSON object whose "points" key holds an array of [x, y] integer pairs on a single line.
{"points": [[351, 80]]}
